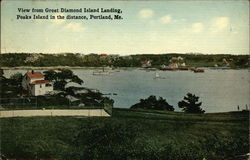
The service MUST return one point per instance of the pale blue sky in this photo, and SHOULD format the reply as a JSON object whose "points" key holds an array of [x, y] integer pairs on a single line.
{"points": [[208, 27]]}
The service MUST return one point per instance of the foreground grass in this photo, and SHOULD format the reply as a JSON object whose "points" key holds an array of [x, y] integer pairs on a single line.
{"points": [[128, 134]]}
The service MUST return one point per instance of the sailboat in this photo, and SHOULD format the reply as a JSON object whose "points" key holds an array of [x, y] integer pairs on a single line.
{"points": [[103, 72], [157, 76]]}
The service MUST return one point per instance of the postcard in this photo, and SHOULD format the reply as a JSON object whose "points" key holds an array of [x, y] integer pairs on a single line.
{"points": [[124, 80]]}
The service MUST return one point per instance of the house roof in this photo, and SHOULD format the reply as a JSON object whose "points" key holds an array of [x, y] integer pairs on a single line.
{"points": [[103, 54], [41, 82], [35, 75]]}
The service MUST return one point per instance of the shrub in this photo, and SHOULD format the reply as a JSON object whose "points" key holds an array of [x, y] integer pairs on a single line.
{"points": [[153, 103], [190, 104]]}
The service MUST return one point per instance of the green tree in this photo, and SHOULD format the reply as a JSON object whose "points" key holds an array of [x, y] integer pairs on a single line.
{"points": [[61, 78], [1, 77], [11, 87], [153, 103], [190, 104], [17, 78], [1, 72]]}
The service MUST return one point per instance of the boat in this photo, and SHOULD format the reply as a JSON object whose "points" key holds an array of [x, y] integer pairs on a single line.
{"points": [[157, 76], [101, 72], [198, 70]]}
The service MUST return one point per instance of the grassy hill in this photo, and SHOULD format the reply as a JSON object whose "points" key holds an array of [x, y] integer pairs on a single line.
{"points": [[128, 135]]}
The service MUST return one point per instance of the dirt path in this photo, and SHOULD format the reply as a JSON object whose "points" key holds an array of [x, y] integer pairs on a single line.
{"points": [[54, 112]]}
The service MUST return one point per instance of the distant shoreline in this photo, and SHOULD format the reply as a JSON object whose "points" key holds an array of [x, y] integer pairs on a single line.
{"points": [[106, 68], [68, 67]]}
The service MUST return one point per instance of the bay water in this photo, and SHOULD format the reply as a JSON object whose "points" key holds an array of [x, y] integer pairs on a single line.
{"points": [[219, 90]]}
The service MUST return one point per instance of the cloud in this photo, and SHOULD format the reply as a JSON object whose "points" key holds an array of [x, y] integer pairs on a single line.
{"points": [[165, 19], [146, 13], [197, 27], [75, 27], [219, 24]]}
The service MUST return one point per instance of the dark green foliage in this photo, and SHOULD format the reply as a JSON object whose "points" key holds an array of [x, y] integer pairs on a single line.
{"points": [[11, 87], [57, 101], [190, 104], [128, 135], [50, 75], [70, 59], [17, 78], [89, 97], [153, 103], [108, 140], [1, 72], [61, 78]]}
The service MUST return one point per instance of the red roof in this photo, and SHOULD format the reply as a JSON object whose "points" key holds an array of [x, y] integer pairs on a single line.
{"points": [[41, 82], [103, 54], [35, 75]]}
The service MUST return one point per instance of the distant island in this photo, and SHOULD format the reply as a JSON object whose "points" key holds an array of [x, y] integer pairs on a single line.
{"points": [[115, 60]]}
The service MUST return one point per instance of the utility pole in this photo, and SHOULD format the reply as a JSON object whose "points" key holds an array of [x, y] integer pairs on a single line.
{"points": [[36, 102]]}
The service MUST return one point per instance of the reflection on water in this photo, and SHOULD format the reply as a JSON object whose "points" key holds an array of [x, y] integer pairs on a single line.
{"points": [[219, 90]]}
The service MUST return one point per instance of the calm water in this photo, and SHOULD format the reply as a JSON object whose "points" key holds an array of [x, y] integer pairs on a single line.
{"points": [[219, 90]]}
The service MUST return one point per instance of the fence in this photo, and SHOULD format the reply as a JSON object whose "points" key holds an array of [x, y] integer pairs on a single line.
{"points": [[33, 103], [36, 103], [54, 112]]}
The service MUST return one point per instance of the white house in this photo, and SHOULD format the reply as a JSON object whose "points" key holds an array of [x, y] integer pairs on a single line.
{"points": [[146, 63], [35, 84]]}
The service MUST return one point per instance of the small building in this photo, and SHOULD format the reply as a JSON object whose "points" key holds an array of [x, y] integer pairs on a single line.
{"points": [[173, 65], [35, 84], [225, 63], [146, 63], [103, 55], [176, 62]]}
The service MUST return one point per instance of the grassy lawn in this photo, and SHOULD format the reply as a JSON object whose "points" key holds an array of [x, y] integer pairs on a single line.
{"points": [[129, 135]]}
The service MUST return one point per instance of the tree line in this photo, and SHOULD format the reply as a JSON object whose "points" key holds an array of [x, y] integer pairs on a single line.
{"points": [[189, 104], [95, 60]]}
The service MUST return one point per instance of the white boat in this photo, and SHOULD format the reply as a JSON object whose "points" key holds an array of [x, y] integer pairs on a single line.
{"points": [[157, 76], [101, 72]]}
